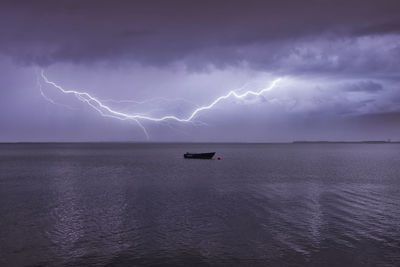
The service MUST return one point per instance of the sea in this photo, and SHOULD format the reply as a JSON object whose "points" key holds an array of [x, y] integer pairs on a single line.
{"points": [[143, 204]]}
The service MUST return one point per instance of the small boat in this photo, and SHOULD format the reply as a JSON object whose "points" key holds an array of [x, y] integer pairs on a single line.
{"points": [[208, 155]]}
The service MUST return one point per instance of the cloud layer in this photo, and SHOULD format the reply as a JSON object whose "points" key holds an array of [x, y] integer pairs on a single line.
{"points": [[340, 60]]}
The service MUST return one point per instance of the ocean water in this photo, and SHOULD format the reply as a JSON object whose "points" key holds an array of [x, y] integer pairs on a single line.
{"points": [[145, 205]]}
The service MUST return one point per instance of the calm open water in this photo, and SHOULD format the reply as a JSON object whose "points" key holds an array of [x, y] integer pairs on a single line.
{"points": [[143, 204]]}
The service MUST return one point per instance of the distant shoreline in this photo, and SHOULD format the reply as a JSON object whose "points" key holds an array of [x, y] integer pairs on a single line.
{"points": [[345, 142], [131, 142]]}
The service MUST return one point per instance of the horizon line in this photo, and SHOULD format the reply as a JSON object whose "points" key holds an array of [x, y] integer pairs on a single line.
{"points": [[204, 142]]}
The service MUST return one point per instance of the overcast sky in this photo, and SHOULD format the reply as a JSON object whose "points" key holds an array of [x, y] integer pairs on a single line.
{"points": [[339, 64]]}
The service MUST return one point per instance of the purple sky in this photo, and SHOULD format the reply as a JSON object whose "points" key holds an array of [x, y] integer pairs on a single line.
{"points": [[339, 62]]}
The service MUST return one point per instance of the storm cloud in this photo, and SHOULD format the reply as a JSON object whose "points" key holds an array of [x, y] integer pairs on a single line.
{"points": [[340, 61], [45, 32]]}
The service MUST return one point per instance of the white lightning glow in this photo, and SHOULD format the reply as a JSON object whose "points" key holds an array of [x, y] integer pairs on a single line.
{"points": [[48, 99], [106, 111]]}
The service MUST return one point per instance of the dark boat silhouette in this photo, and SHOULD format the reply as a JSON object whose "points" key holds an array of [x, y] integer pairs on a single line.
{"points": [[208, 155]]}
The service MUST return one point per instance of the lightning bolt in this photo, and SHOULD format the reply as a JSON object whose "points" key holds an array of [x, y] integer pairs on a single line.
{"points": [[48, 99], [107, 111]]}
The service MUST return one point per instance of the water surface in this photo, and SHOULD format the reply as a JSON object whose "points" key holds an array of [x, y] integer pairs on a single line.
{"points": [[143, 204]]}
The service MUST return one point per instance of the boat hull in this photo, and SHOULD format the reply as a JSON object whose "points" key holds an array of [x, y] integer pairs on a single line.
{"points": [[209, 155]]}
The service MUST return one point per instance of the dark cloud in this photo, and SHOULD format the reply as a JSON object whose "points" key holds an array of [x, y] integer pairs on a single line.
{"points": [[364, 86], [158, 32], [391, 27]]}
